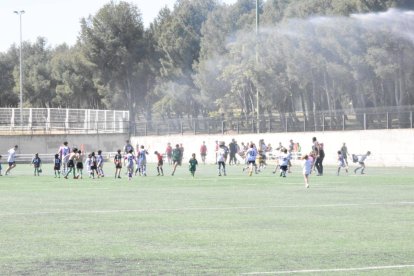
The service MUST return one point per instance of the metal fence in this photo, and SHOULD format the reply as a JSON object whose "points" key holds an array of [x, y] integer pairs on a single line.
{"points": [[355, 119], [56, 120]]}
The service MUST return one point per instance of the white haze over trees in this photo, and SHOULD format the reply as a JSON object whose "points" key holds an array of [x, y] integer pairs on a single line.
{"points": [[203, 58]]}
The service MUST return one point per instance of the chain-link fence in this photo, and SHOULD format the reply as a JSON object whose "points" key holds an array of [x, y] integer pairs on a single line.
{"points": [[56, 120], [355, 119]]}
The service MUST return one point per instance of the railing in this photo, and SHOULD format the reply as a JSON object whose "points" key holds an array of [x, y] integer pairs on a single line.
{"points": [[67, 121], [355, 119]]}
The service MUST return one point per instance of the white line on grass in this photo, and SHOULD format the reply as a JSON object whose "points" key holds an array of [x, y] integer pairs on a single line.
{"points": [[332, 270], [202, 209]]}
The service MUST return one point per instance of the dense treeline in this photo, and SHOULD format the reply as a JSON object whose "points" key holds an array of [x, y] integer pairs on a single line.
{"points": [[204, 58]]}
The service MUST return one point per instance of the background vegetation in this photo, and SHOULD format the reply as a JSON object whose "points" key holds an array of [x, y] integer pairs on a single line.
{"points": [[203, 58]]}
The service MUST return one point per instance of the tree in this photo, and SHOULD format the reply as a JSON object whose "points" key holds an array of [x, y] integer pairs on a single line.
{"points": [[8, 62], [113, 40], [74, 75]]}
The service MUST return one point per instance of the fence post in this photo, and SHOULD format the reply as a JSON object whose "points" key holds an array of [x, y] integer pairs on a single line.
{"points": [[238, 127], [343, 121], [195, 126], [252, 125], [146, 129], [411, 119], [304, 124], [388, 120], [181, 127], [114, 122], [48, 119], [286, 124], [323, 122], [222, 127], [365, 121], [270, 126], [30, 118]]}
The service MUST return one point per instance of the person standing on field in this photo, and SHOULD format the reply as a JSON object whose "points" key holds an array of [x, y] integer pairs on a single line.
{"points": [[361, 162], [307, 169], [193, 164], [118, 164], [11, 159], [344, 152], [176, 158], [203, 152], [64, 152], [160, 163], [221, 159]]}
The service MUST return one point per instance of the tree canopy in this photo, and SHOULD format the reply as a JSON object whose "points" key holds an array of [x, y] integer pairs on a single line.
{"points": [[204, 58]]}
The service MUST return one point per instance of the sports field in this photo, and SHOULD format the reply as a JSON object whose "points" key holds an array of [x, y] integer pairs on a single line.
{"points": [[209, 225]]}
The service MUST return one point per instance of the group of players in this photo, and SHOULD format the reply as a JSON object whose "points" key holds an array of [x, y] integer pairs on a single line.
{"points": [[72, 161]]}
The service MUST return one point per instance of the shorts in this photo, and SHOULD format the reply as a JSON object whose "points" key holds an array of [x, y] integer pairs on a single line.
{"points": [[251, 162], [93, 168], [361, 163], [56, 168], [12, 163], [71, 164], [178, 162], [284, 168], [118, 165], [79, 165], [160, 163]]}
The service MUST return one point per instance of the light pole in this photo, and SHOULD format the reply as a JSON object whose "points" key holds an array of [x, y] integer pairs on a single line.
{"points": [[20, 13], [257, 63]]}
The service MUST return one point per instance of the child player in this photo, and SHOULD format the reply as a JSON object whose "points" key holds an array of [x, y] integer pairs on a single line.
{"points": [[71, 163], [36, 162], [160, 163], [284, 162], [79, 164], [88, 164], [307, 169], [118, 164], [94, 166], [361, 162], [193, 164], [130, 158], [251, 155], [99, 164], [56, 165], [341, 163]]}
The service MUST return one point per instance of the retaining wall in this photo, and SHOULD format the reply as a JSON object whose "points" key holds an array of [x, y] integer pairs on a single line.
{"points": [[30, 144], [389, 147]]}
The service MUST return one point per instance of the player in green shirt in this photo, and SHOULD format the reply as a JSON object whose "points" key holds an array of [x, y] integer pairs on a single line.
{"points": [[193, 164]]}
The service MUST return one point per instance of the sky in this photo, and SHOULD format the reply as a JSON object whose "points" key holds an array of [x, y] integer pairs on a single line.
{"points": [[59, 20]]}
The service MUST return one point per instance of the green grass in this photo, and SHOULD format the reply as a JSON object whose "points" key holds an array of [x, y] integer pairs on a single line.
{"points": [[209, 225]]}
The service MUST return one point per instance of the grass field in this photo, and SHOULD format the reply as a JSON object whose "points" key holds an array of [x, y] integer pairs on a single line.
{"points": [[210, 225]]}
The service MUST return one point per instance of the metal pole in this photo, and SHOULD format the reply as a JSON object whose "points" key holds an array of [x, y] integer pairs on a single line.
{"points": [[21, 75], [257, 63]]}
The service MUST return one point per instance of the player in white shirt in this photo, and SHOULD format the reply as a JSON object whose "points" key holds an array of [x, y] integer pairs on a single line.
{"points": [[284, 162], [251, 155], [142, 162], [341, 163], [11, 159], [307, 169], [64, 152], [130, 158], [361, 162], [221, 159]]}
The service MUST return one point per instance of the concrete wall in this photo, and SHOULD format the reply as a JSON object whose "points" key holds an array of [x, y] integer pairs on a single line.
{"points": [[29, 144], [388, 147]]}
